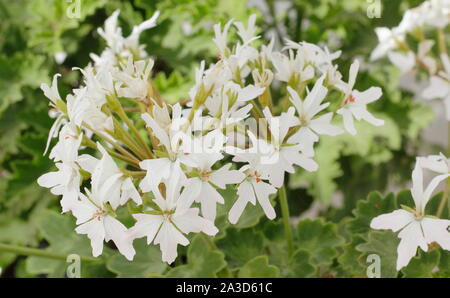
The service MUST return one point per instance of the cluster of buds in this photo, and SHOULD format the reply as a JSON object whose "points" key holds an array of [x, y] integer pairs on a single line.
{"points": [[418, 45], [251, 117]]}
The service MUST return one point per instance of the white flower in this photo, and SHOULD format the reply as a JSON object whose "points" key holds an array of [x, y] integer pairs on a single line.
{"points": [[440, 86], [94, 220], [66, 181], [173, 218], [253, 189], [307, 110], [120, 45], [405, 62], [171, 138], [279, 155], [388, 41], [355, 104], [52, 92], [247, 34], [292, 68], [436, 163], [107, 177], [221, 38], [311, 53], [416, 229], [203, 186], [133, 80]]}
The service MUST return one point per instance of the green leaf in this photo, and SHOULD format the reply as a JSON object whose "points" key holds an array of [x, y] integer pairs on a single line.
{"points": [[259, 268], [240, 246], [146, 263], [367, 210], [203, 261], [320, 239], [349, 258], [422, 265], [384, 244], [300, 265], [59, 231]]}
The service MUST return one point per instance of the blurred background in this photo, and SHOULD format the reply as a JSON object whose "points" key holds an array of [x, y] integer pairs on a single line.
{"points": [[39, 38]]}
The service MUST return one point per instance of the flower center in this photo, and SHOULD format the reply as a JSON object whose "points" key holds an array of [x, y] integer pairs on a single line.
{"points": [[98, 214], [350, 99]]}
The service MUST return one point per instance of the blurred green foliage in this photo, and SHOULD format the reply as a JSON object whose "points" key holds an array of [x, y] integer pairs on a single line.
{"points": [[32, 32]]}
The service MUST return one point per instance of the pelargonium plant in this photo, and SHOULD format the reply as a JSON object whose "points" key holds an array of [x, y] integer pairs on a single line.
{"points": [[253, 115]]}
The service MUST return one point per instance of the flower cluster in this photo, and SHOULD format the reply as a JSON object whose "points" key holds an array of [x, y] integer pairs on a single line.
{"points": [[169, 163], [418, 43], [417, 229]]}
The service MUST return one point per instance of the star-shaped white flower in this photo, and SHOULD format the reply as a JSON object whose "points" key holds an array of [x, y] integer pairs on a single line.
{"points": [[355, 103], [66, 181], [312, 126], [107, 177], [171, 218], [203, 186], [279, 156], [416, 229], [94, 219]]}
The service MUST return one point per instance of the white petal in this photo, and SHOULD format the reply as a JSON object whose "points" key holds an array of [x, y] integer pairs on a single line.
{"points": [[436, 230], [394, 221], [322, 125], [263, 191], [147, 225], [95, 231], [191, 222], [224, 176], [348, 120], [411, 238], [117, 232]]}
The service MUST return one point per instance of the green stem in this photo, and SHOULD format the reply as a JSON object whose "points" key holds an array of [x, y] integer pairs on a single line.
{"points": [[286, 220], [133, 128], [89, 143], [26, 251], [114, 144]]}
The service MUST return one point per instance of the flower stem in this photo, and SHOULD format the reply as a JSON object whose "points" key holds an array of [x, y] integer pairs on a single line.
{"points": [[114, 144], [123, 115], [286, 220], [26, 251]]}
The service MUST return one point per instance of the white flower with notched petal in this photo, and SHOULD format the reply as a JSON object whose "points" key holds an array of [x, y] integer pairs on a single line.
{"points": [[107, 177], [388, 41], [355, 102], [311, 126], [96, 219], [279, 156], [440, 86], [66, 181], [205, 181], [436, 163], [253, 189], [171, 138], [292, 68], [416, 229], [170, 218], [221, 38]]}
